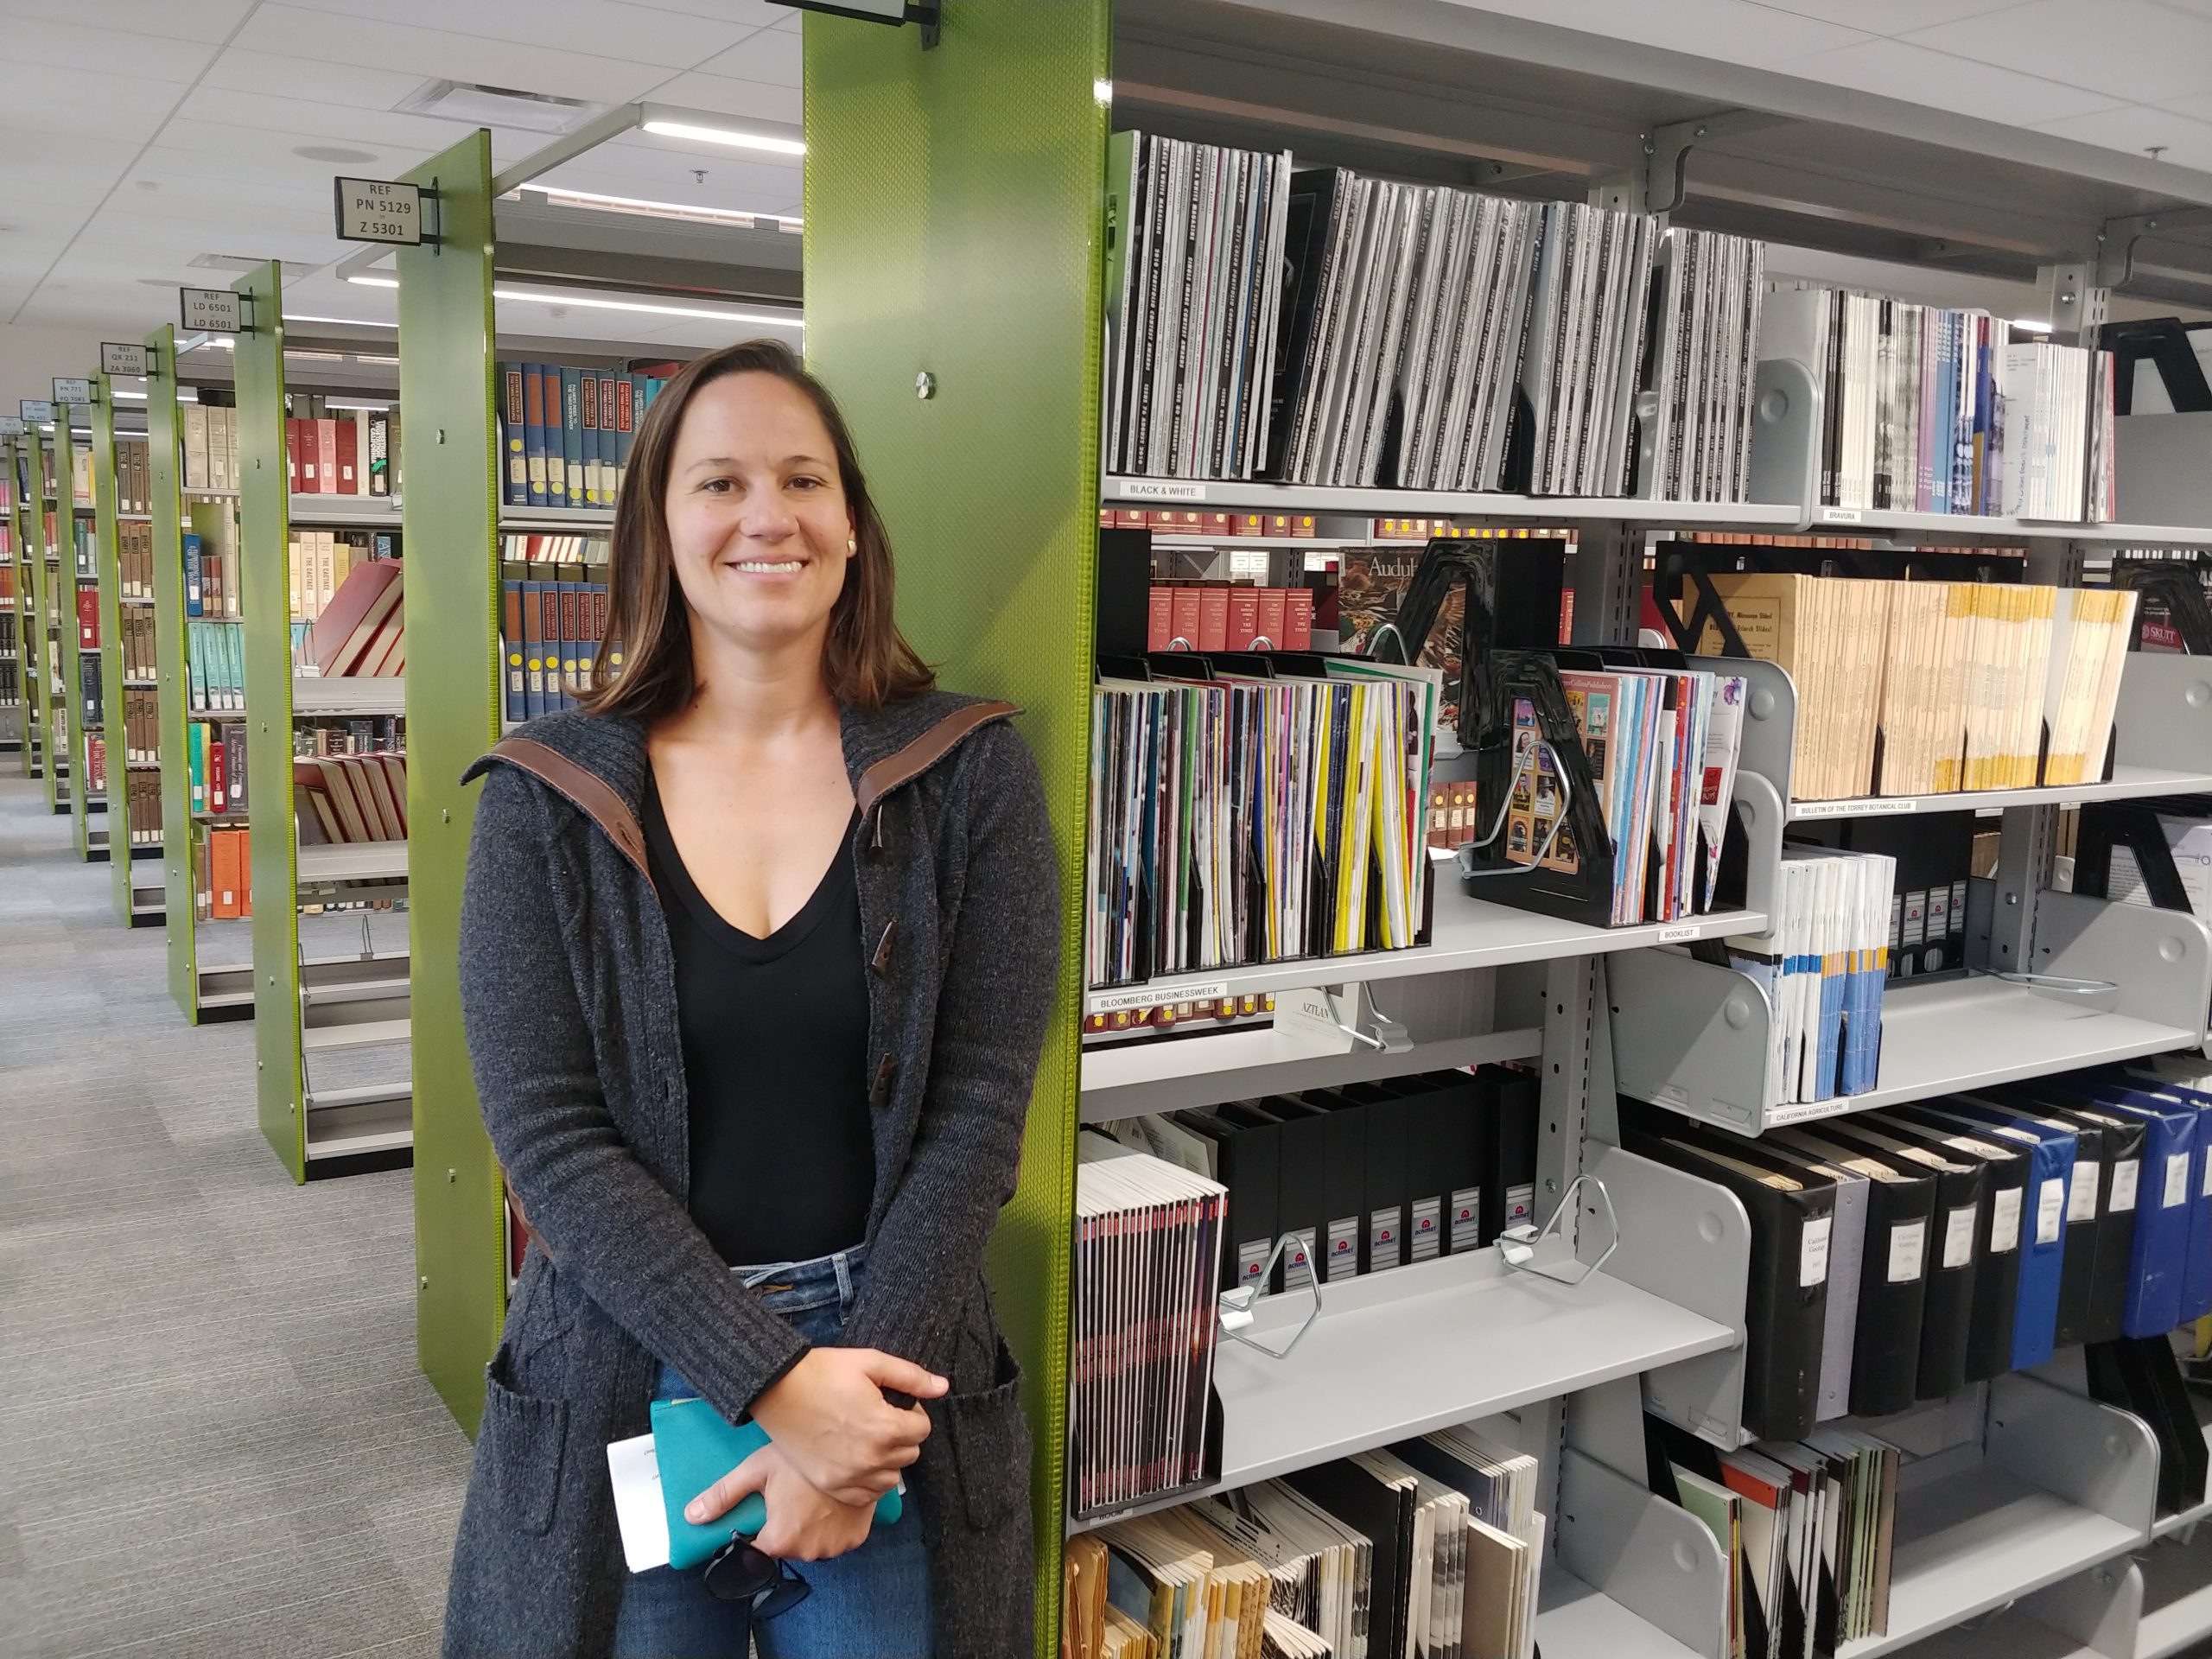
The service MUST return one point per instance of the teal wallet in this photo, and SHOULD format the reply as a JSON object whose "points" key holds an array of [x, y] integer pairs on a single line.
{"points": [[696, 1446]]}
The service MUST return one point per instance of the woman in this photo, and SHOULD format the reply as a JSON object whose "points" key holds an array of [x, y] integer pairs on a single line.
{"points": [[757, 950]]}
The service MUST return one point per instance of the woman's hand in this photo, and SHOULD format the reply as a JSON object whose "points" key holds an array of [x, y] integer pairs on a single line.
{"points": [[804, 1524], [829, 1418]]}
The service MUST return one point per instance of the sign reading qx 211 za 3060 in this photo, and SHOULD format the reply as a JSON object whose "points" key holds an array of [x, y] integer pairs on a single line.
{"points": [[375, 210]]}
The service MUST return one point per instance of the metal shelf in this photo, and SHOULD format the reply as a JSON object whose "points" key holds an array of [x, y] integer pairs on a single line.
{"points": [[1466, 933], [2126, 782], [1252, 495], [359, 1035], [1573, 1619], [2165, 1525], [352, 861], [343, 511], [1990, 527], [556, 521], [1399, 1353], [353, 694], [2176, 1614]]}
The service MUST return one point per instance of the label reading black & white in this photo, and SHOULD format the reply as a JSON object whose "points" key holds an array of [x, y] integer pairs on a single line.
{"points": [[1425, 1228], [1385, 1238], [1160, 489], [118, 359], [1958, 1237], [2081, 1193], [1466, 1218], [2126, 1176], [2005, 1222], [1342, 1260], [1908, 1251], [1813, 1253], [2050, 1211], [378, 210], [2177, 1181]]}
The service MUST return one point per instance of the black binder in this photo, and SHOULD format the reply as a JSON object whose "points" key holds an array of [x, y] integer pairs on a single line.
{"points": [[1509, 1150], [2005, 1197], [1892, 1274], [1958, 1243], [1786, 1296], [1384, 1115], [1453, 1109], [1302, 1193], [1247, 1161], [1344, 1185], [2084, 1210]]}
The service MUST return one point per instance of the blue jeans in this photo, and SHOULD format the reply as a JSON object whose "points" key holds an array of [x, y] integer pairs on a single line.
{"points": [[871, 1603]]}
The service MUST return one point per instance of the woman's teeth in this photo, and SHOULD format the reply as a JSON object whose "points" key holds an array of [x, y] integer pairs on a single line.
{"points": [[769, 566]]}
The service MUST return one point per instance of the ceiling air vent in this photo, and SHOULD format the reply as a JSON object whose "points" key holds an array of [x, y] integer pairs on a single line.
{"points": [[240, 262], [499, 106]]}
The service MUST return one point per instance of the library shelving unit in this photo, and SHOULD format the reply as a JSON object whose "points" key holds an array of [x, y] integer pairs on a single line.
{"points": [[988, 151], [74, 581], [45, 692], [330, 998], [136, 885], [16, 731]]}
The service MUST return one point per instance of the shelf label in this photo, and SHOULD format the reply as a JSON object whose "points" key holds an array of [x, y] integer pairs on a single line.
{"points": [[2126, 1175], [1958, 1237], [2050, 1210], [118, 359], [1813, 1253], [1811, 1108], [1313, 1013], [1841, 516], [376, 210], [2005, 1223], [1861, 807], [37, 411], [1153, 996], [1907, 1250], [2081, 1193], [1160, 489], [211, 311], [72, 392], [1682, 934], [11, 426], [2177, 1181]]}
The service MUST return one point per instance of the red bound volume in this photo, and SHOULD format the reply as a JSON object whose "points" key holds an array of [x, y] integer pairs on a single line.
{"points": [[1184, 618], [1244, 618], [1272, 618], [1213, 619], [1298, 619]]}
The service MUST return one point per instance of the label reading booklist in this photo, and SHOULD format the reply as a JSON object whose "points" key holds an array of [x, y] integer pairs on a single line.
{"points": [[1812, 1253], [1907, 1250], [1682, 934], [1958, 1237]]}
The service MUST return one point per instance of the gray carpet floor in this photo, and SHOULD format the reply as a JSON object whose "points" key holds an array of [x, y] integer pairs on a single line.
{"points": [[213, 1438]]}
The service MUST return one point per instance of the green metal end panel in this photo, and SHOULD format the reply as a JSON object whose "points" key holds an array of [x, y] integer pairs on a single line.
{"points": [[38, 688], [26, 589], [73, 658], [264, 594], [450, 532], [167, 506], [954, 218], [108, 564]]}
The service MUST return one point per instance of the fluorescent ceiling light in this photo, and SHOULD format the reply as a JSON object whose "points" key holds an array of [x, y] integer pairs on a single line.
{"points": [[2029, 325], [651, 307], [1104, 92], [348, 402], [736, 137], [367, 281], [121, 397], [599, 202], [349, 322]]}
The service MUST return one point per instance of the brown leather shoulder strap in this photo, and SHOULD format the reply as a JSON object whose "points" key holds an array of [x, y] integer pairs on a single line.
{"points": [[924, 752], [589, 793]]}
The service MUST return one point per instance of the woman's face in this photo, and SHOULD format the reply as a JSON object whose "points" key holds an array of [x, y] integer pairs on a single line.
{"points": [[756, 512]]}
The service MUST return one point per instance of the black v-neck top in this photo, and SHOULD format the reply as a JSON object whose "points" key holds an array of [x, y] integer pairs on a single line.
{"points": [[775, 1041]]}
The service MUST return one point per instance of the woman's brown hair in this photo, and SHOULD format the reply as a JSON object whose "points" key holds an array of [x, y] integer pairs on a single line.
{"points": [[866, 661]]}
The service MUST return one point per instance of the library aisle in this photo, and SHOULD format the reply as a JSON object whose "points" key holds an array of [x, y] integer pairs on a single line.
{"points": [[219, 1442]]}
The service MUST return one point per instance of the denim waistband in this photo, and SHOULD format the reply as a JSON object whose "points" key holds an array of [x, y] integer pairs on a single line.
{"points": [[819, 1282]]}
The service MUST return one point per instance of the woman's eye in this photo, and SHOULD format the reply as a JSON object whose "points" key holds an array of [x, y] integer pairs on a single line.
{"points": [[718, 485], [806, 483]]}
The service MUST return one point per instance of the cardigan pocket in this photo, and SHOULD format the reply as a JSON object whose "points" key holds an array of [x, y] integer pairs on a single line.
{"points": [[990, 1444], [522, 1443]]}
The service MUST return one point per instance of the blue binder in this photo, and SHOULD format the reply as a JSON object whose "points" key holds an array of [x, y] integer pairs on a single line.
{"points": [[2196, 1272], [2043, 1223], [2158, 1266]]}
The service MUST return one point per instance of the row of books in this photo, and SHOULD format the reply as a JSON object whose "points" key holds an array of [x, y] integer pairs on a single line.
{"points": [[516, 547], [1707, 298], [95, 764], [1900, 1255], [566, 432], [211, 445], [342, 451], [1216, 526], [1431, 1546], [1192, 1012], [134, 559], [549, 636], [210, 577], [1243, 820], [361, 629], [140, 813], [134, 479], [1927, 410], [1662, 748], [1915, 687], [1823, 966], [224, 869], [141, 727], [351, 798], [318, 561], [215, 758], [90, 689], [1806, 1527], [214, 658], [1228, 616], [88, 618], [356, 735]]}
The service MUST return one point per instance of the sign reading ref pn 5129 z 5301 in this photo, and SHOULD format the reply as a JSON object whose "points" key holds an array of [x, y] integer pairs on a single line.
{"points": [[377, 210]]}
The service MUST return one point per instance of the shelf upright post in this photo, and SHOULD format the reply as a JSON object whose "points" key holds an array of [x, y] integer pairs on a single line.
{"points": [[954, 237], [165, 507], [81, 804], [107, 567], [20, 454], [39, 688], [264, 531], [450, 511]]}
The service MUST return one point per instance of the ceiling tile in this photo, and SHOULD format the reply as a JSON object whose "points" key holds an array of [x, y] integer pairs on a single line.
{"points": [[346, 86], [1734, 31], [211, 21], [726, 97], [38, 99], [310, 122], [1892, 17], [2199, 107], [1917, 75], [638, 34], [2133, 49], [432, 55], [71, 46], [753, 14], [2133, 127], [662, 176], [774, 55]]}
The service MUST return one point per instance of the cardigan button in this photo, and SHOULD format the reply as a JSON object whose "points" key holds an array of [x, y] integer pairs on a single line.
{"points": [[882, 962], [880, 1094]]}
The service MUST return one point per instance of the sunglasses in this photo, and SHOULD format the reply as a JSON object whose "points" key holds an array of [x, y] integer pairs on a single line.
{"points": [[738, 1572]]}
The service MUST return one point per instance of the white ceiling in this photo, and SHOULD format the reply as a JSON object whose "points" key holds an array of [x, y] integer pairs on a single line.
{"points": [[138, 134]]}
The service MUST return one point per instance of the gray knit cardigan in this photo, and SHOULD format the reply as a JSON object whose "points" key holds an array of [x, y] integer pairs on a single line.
{"points": [[569, 998]]}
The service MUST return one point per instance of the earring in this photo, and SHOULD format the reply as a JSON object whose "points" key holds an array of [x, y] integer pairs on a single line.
{"points": [[852, 545]]}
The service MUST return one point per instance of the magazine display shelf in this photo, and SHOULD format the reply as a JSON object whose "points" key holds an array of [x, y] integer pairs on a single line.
{"points": [[2157, 1606], [1694, 1036]]}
